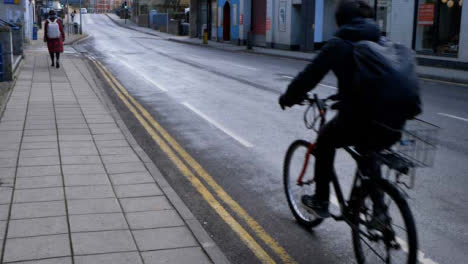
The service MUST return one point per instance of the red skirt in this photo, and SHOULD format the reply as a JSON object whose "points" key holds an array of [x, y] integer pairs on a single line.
{"points": [[55, 45]]}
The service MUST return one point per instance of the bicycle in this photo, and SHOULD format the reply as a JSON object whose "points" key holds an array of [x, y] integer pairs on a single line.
{"points": [[389, 233]]}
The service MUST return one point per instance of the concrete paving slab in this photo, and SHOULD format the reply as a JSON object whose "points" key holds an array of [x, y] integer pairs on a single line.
{"points": [[112, 143], [9, 154], [191, 255], [14, 134], [89, 192], [8, 163], [116, 151], [43, 126], [75, 138], [110, 159], [98, 222], [31, 248], [83, 169], [107, 120], [164, 238], [39, 145], [34, 121], [4, 208], [38, 182], [32, 171], [38, 209], [86, 179], [80, 120], [64, 260], [127, 167], [40, 132], [154, 219], [31, 153], [101, 137], [137, 190], [102, 242], [7, 172], [80, 151], [10, 146], [68, 131], [5, 195], [39, 161], [38, 195], [113, 258], [47, 138], [96, 131], [77, 144], [93, 206], [37, 227], [131, 178], [70, 126], [141, 204], [2, 229], [75, 160]]}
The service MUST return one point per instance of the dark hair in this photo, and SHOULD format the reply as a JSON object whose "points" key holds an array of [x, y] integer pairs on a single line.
{"points": [[52, 12], [347, 10]]}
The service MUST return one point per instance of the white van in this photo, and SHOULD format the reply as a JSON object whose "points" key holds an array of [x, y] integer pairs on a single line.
{"points": [[84, 11]]}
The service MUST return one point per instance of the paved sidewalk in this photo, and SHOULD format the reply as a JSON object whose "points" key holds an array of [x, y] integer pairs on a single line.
{"points": [[181, 39], [435, 73], [71, 185]]}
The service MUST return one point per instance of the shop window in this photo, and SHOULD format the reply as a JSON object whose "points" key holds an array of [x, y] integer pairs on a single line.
{"points": [[383, 14], [438, 27]]}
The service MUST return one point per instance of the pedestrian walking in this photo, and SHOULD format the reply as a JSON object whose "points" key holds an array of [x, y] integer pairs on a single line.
{"points": [[73, 15], [54, 36]]}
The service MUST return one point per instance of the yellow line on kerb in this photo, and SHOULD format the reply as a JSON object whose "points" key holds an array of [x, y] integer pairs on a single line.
{"points": [[259, 252], [225, 197]]}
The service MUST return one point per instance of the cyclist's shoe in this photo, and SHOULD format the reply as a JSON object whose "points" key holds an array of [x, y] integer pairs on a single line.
{"points": [[380, 222], [317, 207]]}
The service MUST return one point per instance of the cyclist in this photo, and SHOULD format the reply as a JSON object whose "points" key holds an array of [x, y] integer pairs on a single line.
{"points": [[352, 126]]}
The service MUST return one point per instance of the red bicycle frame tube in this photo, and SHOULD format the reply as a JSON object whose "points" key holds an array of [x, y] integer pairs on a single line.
{"points": [[306, 163]]}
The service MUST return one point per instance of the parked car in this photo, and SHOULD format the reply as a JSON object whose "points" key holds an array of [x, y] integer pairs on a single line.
{"points": [[84, 11]]}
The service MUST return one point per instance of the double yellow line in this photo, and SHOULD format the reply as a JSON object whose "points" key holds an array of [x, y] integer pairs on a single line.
{"points": [[186, 164]]}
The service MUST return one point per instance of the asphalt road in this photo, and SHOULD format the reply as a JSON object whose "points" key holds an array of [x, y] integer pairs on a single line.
{"points": [[222, 108]]}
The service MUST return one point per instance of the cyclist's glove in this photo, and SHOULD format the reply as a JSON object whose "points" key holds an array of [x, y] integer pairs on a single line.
{"points": [[287, 101], [283, 102]]}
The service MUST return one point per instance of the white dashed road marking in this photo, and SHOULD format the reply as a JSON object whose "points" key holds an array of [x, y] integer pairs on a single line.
{"points": [[219, 126]]}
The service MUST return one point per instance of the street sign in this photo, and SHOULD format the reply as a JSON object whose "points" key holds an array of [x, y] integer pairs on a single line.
{"points": [[11, 2], [426, 15]]}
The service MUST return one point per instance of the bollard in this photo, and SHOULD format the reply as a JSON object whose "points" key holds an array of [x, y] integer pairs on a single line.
{"points": [[35, 32], [249, 40], [205, 36]]}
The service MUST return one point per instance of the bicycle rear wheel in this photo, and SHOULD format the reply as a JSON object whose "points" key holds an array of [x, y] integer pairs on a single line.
{"points": [[390, 238], [299, 158]]}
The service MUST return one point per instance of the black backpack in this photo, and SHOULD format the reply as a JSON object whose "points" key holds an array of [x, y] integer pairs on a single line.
{"points": [[385, 81]]}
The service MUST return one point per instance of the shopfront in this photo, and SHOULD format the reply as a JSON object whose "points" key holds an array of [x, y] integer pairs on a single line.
{"points": [[437, 27]]}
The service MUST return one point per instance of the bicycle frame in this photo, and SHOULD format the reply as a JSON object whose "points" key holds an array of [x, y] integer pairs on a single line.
{"points": [[336, 185]]}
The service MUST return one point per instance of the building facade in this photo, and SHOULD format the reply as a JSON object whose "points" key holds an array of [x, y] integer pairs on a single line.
{"points": [[433, 28], [19, 12]]}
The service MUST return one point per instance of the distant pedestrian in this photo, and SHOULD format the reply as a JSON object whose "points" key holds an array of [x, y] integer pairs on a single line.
{"points": [[73, 15], [54, 36]]}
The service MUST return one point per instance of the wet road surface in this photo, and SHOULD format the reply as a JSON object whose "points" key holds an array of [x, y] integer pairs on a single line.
{"points": [[222, 108]]}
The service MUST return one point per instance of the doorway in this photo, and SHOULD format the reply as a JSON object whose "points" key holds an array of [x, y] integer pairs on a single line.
{"points": [[259, 22], [227, 22]]}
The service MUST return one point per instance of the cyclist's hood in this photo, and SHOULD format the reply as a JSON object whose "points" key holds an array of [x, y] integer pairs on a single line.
{"points": [[359, 29]]}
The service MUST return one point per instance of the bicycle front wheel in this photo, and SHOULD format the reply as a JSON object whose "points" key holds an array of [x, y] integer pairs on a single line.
{"points": [[299, 161], [389, 236]]}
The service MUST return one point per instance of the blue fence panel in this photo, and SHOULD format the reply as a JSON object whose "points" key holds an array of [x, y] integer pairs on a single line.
{"points": [[1, 63], [160, 20]]}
